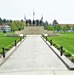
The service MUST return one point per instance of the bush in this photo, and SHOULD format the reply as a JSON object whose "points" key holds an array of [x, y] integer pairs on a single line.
{"points": [[67, 54], [72, 59], [10, 46], [64, 50], [57, 46], [7, 49], [1, 52], [54, 44], [17, 40], [4, 31]]}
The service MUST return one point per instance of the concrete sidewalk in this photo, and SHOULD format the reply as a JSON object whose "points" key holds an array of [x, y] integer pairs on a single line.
{"points": [[40, 73], [34, 57]]}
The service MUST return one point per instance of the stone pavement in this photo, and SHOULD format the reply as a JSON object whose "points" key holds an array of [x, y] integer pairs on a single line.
{"points": [[34, 57]]}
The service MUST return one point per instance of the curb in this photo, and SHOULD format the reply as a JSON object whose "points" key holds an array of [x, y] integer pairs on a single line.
{"points": [[63, 58], [10, 52]]}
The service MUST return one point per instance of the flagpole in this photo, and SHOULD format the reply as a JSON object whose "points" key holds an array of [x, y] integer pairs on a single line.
{"points": [[33, 14], [33, 17], [24, 18]]}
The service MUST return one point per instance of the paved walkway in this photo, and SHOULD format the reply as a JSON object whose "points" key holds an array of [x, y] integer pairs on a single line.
{"points": [[33, 55]]}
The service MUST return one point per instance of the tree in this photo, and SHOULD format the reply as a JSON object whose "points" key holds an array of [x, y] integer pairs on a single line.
{"points": [[46, 23], [30, 22], [65, 28], [68, 26], [37, 22], [41, 22], [73, 27], [0, 21], [33, 22], [4, 20], [50, 27], [26, 22], [17, 25], [10, 21], [54, 23], [58, 27]]}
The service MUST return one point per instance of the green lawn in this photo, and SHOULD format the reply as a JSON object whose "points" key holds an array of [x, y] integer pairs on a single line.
{"points": [[66, 40], [5, 41]]}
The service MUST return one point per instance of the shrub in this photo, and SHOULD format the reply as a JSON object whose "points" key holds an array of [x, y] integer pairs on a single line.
{"points": [[72, 59], [17, 40], [53, 43], [1, 52], [10, 46], [7, 49], [67, 54], [4, 31], [58, 47], [64, 50]]}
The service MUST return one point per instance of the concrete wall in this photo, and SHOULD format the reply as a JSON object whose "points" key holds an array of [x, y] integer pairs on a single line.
{"points": [[31, 30]]}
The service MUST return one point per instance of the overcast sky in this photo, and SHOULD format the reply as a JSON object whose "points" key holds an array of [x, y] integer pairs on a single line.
{"points": [[61, 10]]}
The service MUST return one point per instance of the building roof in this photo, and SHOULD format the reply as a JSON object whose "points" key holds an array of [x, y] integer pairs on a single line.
{"points": [[66, 24], [4, 25]]}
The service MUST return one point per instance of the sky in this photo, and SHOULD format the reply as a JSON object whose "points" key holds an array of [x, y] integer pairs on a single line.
{"points": [[61, 10]]}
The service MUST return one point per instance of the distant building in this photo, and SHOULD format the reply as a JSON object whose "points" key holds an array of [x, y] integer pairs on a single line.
{"points": [[7, 28], [66, 24]]}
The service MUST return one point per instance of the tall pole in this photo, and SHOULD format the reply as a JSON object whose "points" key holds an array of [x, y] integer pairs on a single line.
{"points": [[33, 14], [25, 20]]}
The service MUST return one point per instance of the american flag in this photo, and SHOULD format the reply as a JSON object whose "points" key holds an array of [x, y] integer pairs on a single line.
{"points": [[41, 18], [24, 17], [33, 13]]}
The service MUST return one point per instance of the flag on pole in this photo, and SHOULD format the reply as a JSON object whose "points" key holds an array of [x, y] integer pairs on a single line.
{"points": [[41, 18], [33, 13], [24, 17]]}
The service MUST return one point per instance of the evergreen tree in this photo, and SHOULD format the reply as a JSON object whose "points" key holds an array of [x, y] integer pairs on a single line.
{"points": [[54, 23], [4, 20]]}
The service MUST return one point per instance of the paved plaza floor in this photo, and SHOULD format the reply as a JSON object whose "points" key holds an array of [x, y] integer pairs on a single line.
{"points": [[33, 56]]}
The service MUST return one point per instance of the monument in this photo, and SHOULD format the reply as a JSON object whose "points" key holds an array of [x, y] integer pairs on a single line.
{"points": [[34, 22], [35, 27]]}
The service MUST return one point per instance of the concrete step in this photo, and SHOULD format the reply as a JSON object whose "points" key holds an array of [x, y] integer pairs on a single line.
{"points": [[33, 30]]}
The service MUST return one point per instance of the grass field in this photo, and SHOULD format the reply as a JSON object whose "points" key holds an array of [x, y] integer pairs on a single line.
{"points": [[66, 40], [5, 41]]}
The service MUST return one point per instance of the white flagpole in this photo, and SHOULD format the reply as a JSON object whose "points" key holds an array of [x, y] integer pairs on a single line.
{"points": [[24, 18], [33, 14]]}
